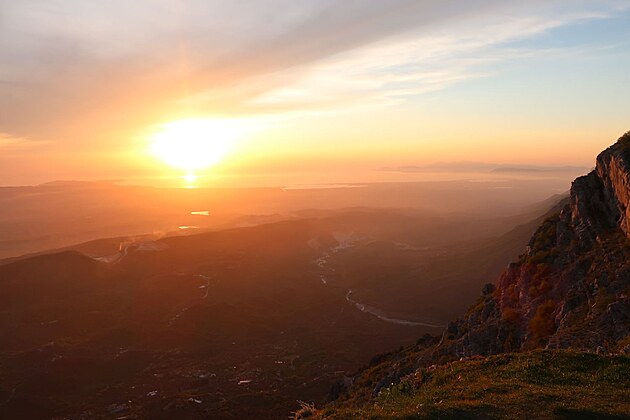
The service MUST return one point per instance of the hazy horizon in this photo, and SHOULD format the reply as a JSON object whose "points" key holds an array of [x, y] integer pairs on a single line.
{"points": [[436, 172]]}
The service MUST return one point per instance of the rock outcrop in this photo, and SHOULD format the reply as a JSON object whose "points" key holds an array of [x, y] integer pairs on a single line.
{"points": [[613, 169], [571, 287]]}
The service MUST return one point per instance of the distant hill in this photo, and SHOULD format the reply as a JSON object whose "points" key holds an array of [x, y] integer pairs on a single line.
{"points": [[63, 213], [480, 167], [540, 169]]}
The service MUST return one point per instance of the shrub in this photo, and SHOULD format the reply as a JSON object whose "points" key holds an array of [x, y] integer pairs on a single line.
{"points": [[539, 289], [511, 316], [543, 243], [624, 144], [543, 324]]}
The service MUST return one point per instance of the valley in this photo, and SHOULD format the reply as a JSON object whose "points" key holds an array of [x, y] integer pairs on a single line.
{"points": [[227, 322]]}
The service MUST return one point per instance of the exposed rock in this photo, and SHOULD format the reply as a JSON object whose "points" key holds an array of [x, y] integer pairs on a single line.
{"points": [[613, 169], [570, 288]]}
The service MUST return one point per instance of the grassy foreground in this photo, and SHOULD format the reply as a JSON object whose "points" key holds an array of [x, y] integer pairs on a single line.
{"points": [[541, 384]]}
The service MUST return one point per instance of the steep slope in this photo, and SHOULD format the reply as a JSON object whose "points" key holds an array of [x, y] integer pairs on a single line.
{"points": [[571, 287], [569, 290]]}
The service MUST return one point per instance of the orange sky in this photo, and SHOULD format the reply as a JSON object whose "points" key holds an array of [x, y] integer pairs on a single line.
{"points": [[320, 91]]}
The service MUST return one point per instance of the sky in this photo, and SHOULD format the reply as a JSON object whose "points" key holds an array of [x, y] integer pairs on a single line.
{"points": [[305, 90]]}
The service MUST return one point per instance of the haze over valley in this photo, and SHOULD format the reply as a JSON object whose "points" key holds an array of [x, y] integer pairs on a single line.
{"points": [[244, 311]]}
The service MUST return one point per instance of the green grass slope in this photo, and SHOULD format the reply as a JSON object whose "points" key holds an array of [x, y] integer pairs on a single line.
{"points": [[542, 384]]}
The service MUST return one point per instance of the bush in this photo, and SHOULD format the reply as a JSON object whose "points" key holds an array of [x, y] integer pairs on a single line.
{"points": [[511, 316], [543, 324], [624, 145], [543, 243]]}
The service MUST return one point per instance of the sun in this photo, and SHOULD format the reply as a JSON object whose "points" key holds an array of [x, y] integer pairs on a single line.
{"points": [[194, 144]]}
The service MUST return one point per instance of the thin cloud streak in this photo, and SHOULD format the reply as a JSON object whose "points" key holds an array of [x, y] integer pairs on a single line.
{"points": [[412, 65], [9, 143]]}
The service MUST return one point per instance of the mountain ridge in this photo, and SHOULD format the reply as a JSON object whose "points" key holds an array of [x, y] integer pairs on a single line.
{"points": [[568, 292]]}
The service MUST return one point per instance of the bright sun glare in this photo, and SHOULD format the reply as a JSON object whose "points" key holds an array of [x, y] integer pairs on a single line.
{"points": [[194, 144]]}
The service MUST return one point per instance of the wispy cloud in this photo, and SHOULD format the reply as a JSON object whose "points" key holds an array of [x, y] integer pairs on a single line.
{"points": [[9, 143], [411, 64], [65, 59]]}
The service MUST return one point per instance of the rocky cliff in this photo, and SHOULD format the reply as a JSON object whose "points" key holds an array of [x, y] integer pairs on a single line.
{"points": [[571, 287], [613, 170]]}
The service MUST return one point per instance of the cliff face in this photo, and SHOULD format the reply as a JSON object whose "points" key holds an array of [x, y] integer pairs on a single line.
{"points": [[571, 287], [613, 169]]}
